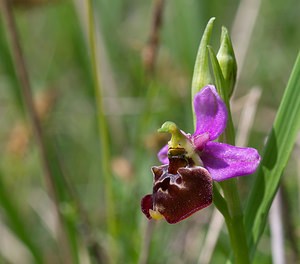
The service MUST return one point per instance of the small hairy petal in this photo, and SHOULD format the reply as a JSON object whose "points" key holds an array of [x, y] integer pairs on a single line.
{"points": [[200, 140], [211, 113], [163, 155], [224, 161]]}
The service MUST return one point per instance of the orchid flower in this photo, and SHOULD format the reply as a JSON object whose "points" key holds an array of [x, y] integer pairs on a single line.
{"points": [[183, 185]]}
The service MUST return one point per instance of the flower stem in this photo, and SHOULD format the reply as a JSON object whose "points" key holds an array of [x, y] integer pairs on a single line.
{"points": [[235, 222]]}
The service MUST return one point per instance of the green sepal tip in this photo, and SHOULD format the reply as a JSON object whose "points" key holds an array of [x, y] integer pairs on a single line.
{"points": [[201, 76]]}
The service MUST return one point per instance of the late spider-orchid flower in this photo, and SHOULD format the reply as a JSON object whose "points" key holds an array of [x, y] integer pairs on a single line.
{"points": [[183, 185]]}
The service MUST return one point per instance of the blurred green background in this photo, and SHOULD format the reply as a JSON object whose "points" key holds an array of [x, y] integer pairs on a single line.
{"points": [[54, 39]]}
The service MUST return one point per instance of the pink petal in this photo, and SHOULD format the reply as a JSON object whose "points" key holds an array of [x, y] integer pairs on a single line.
{"points": [[163, 155], [224, 161], [211, 113]]}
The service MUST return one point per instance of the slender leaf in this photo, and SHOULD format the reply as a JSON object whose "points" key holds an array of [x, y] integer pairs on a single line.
{"points": [[275, 157]]}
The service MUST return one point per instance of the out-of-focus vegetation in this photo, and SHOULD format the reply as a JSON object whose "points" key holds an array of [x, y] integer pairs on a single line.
{"points": [[54, 38]]}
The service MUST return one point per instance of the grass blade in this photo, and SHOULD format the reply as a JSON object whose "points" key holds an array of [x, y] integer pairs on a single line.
{"points": [[38, 130], [276, 154]]}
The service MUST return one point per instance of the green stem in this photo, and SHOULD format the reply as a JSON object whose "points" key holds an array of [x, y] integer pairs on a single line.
{"points": [[102, 129], [235, 221]]}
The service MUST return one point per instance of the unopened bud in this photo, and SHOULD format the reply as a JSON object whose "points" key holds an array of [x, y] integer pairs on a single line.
{"points": [[227, 61]]}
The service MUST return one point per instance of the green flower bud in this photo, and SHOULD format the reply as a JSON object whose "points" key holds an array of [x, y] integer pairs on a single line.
{"points": [[227, 61]]}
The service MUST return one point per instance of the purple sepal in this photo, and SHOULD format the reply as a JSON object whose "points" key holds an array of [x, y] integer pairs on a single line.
{"points": [[224, 161], [211, 113]]}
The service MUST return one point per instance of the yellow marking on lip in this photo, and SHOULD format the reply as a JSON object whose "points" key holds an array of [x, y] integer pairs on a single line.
{"points": [[155, 215]]}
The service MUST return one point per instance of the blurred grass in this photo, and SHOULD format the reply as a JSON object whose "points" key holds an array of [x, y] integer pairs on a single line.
{"points": [[54, 41]]}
